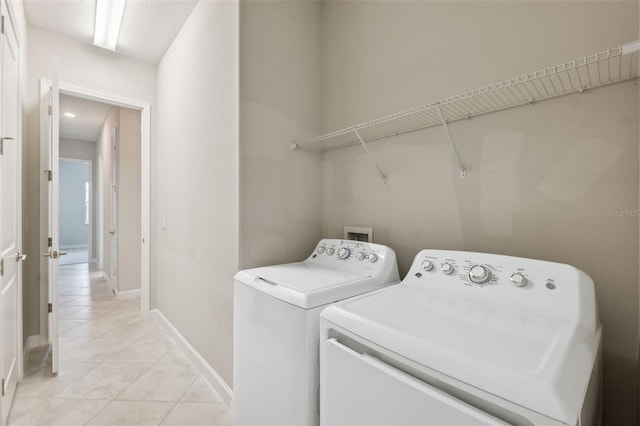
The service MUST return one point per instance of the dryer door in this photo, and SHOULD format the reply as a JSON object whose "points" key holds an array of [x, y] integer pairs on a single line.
{"points": [[360, 390]]}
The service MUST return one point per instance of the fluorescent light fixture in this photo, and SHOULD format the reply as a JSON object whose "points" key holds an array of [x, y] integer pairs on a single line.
{"points": [[108, 19], [69, 114]]}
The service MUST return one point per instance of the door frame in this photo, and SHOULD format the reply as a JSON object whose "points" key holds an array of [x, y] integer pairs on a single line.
{"points": [[145, 173], [90, 236]]}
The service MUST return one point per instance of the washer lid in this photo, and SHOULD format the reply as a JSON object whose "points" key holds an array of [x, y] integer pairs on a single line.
{"points": [[536, 362], [306, 284]]}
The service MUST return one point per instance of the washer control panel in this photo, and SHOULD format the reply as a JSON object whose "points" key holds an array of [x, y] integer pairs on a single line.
{"points": [[356, 256]]}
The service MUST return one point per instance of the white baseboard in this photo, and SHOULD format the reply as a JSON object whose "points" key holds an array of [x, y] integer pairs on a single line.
{"points": [[32, 342], [210, 375], [129, 294], [74, 246]]}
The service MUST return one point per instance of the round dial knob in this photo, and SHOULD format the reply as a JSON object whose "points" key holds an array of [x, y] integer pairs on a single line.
{"points": [[518, 279], [372, 257], [446, 268], [344, 253], [360, 255], [427, 265], [330, 251], [321, 249], [479, 274]]}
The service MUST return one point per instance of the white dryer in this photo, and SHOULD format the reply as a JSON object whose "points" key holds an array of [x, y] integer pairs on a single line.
{"points": [[276, 327], [465, 339]]}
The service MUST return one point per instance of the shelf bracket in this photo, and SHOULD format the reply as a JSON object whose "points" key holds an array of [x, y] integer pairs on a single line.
{"points": [[373, 160], [463, 171]]}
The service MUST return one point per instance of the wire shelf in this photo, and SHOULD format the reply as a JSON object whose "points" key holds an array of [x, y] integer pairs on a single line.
{"points": [[598, 70]]}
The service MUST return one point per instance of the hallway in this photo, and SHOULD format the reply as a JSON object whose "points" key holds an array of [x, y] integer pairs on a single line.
{"points": [[114, 368]]}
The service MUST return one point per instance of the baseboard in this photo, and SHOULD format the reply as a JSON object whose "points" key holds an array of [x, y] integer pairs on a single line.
{"points": [[210, 375], [32, 342], [129, 294], [74, 246]]}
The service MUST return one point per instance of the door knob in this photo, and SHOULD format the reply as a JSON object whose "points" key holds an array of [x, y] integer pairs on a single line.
{"points": [[54, 254], [20, 257], [112, 232]]}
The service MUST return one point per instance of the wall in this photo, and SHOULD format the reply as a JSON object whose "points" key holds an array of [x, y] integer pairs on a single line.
{"points": [[543, 182], [105, 142], [83, 66], [129, 214], [195, 174], [73, 229], [280, 189], [83, 150]]}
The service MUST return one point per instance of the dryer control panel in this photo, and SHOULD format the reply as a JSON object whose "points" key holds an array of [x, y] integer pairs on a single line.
{"points": [[561, 291]]}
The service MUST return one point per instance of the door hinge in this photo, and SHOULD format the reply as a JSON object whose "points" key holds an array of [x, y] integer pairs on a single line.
{"points": [[49, 175], [50, 109], [3, 387], [114, 188], [1, 267], [50, 242], [2, 31], [50, 308]]}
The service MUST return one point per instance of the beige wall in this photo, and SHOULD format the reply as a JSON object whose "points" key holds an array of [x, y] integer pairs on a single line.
{"points": [[80, 65], [280, 189], [129, 207], [83, 150], [541, 180], [195, 182]]}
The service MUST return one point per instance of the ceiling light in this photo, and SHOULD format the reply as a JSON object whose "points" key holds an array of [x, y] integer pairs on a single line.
{"points": [[69, 114], [108, 19]]}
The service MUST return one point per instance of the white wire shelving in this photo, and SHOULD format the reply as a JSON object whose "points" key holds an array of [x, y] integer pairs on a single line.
{"points": [[601, 69]]}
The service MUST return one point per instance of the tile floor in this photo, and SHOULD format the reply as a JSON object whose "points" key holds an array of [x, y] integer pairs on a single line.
{"points": [[75, 255], [114, 368]]}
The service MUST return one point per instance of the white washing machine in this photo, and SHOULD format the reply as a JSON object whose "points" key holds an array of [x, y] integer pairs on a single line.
{"points": [[276, 327], [465, 339]]}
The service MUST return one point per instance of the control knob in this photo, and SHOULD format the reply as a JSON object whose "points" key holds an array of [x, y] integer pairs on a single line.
{"points": [[446, 268], [518, 279], [360, 255], [427, 265], [321, 249], [330, 251], [372, 257], [479, 274], [344, 253]]}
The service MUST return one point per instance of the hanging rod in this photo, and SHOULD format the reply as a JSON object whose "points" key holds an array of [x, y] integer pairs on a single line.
{"points": [[601, 69]]}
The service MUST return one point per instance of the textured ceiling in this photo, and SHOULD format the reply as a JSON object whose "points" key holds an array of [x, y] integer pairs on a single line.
{"points": [[148, 26], [87, 124]]}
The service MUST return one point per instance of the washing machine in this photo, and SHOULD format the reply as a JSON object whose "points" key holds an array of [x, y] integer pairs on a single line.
{"points": [[465, 339], [276, 327]]}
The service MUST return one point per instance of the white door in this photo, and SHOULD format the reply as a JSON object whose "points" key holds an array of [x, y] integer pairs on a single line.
{"points": [[114, 208], [51, 161], [10, 221]]}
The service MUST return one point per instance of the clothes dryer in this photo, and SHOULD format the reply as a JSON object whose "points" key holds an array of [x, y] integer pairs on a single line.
{"points": [[465, 339], [276, 327]]}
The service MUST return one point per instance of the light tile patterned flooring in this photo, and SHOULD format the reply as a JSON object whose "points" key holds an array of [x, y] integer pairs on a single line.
{"points": [[114, 368]]}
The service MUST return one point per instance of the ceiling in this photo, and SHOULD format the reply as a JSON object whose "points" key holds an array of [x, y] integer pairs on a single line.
{"points": [[148, 26], [148, 29], [87, 124]]}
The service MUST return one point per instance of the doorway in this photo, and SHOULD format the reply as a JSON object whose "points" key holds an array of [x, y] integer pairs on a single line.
{"points": [[104, 186], [76, 211]]}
